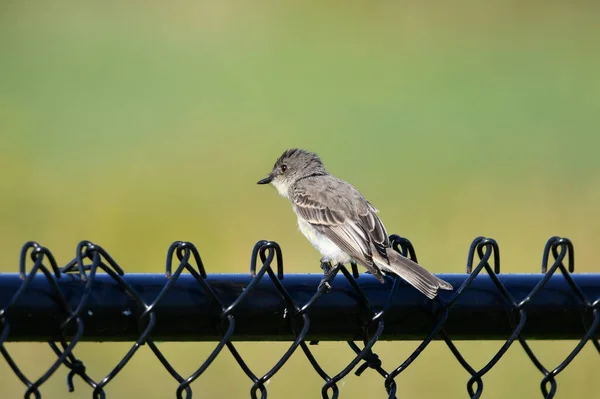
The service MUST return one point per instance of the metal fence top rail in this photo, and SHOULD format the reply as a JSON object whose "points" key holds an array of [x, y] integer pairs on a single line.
{"points": [[186, 312]]}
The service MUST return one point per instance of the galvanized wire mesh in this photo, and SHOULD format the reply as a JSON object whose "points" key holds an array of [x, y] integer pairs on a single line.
{"points": [[267, 265]]}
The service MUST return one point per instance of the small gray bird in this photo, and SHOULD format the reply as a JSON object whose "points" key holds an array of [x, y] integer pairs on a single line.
{"points": [[340, 223]]}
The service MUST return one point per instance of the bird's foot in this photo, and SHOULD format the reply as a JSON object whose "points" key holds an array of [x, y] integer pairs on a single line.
{"points": [[326, 266], [329, 272], [324, 286]]}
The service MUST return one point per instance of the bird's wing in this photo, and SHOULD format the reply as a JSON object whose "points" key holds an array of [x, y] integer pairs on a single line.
{"points": [[338, 210], [375, 229]]}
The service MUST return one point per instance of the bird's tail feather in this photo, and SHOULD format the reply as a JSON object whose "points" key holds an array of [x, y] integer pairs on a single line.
{"points": [[413, 273]]}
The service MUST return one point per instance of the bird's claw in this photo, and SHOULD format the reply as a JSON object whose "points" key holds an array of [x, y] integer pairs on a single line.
{"points": [[328, 274], [324, 285], [326, 266]]}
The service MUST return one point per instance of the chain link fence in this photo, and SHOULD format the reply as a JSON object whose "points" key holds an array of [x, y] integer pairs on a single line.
{"points": [[75, 303]]}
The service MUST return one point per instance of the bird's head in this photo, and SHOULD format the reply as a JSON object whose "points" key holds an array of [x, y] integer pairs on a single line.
{"points": [[292, 165]]}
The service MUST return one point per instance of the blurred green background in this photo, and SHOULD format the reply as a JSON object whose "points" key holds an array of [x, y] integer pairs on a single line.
{"points": [[134, 124]]}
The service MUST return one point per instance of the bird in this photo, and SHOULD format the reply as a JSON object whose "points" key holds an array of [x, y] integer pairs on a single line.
{"points": [[341, 223]]}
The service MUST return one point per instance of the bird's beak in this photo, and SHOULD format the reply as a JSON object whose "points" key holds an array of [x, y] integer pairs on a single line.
{"points": [[266, 180]]}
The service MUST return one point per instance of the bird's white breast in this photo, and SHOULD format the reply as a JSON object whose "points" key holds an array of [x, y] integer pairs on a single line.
{"points": [[327, 248]]}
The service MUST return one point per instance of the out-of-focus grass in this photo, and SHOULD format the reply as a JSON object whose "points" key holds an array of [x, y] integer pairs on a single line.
{"points": [[139, 124]]}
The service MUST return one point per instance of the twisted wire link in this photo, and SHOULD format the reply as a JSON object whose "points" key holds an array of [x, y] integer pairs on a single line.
{"points": [[38, 255], [266, 267], [100, 259], [489, 260], [406, 248], [561, 249], [184, 251]]}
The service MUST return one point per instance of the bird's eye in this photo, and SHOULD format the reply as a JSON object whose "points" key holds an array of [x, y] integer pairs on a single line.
{"points": [[283, 167]]}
